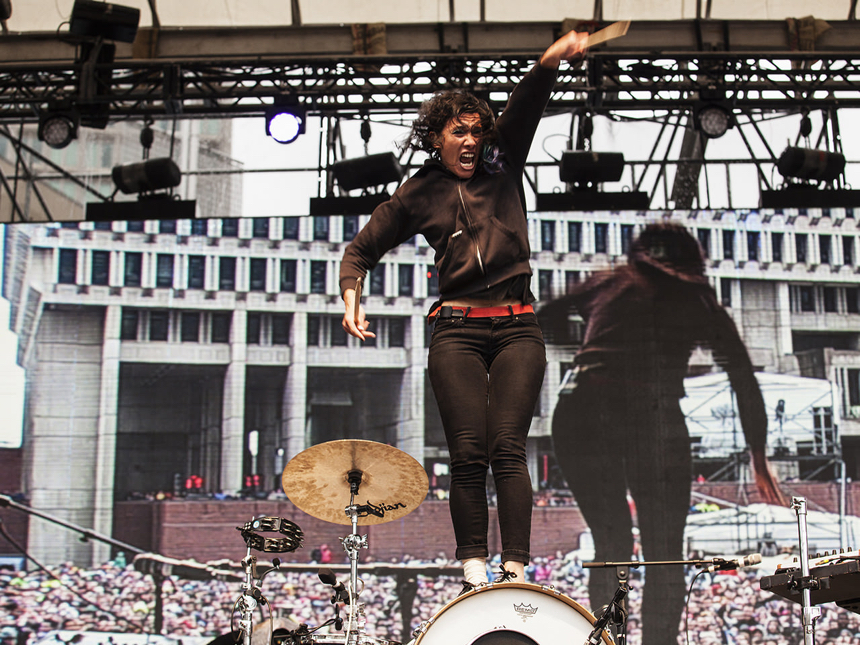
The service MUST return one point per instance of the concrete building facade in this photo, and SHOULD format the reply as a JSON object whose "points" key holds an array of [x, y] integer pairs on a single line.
{"points": [[159, 350]]}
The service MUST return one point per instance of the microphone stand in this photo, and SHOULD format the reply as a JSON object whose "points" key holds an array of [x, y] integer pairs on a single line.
{"points": [[88, 534], [616, 611]]}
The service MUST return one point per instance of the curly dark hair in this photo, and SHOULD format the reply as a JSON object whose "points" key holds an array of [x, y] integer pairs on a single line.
{"points": [[435, 113], [672, 245]]}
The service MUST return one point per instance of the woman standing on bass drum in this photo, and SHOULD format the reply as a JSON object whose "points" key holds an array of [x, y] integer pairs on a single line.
{"points": [[487, 355]]}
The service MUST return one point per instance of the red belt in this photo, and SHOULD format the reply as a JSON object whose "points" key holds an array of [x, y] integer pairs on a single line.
{"points": [[486, 312]]}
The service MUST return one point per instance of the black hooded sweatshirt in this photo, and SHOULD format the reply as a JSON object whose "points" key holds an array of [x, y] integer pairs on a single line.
{"points": [[476, 226]]}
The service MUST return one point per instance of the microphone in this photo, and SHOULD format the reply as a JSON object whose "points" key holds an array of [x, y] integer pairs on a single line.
{"points": [[719, 564], [327, 577]]}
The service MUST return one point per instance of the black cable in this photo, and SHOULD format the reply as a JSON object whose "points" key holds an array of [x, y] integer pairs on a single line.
{"points": [[687, 606], [13, 542]]}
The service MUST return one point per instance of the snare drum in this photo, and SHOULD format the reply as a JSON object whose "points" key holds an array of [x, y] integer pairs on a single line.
{"points": [[510, 613]]}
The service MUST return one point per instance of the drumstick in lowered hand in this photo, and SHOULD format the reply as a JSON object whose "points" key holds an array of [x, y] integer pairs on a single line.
{"points": [[357, 304], [615, 30]]}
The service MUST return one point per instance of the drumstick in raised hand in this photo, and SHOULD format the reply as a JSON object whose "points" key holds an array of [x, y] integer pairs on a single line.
{"points": [[615, 30]]}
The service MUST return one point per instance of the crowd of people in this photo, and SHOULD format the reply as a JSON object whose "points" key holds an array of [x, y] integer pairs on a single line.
{"points": [[724, 608]]}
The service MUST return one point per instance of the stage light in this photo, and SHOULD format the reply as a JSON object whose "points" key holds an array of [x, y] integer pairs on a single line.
{"points": [[58, 128], [589, 168], [367, 172], [285, 121], [712, 113], [146, 176], [810, 165], [104, 20], [713, 119]]}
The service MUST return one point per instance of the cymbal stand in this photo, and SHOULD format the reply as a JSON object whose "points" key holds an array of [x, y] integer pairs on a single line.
{"points": [[811, 613], [352, 544], [250, 598]]}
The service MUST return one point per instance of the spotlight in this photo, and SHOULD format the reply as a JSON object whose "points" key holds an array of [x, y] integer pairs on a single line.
{"points": [[146, 176], [810, 165], [367, 172], [104, 20], [58, 128], [584, 168], [285, 121], [713, 114], [713, 120]]}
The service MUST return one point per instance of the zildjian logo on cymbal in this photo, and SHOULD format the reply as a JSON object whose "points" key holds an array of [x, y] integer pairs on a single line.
{"points": [[379, 511]]}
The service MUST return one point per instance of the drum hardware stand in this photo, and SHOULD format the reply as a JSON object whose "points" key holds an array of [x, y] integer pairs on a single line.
{"points": [[250, 598], [615, 613], [352, 544], [252, 595], [805, 583]]}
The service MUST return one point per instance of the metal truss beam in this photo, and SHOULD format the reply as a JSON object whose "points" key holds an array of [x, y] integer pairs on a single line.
{"points": [[185, 78], [604, 83]]}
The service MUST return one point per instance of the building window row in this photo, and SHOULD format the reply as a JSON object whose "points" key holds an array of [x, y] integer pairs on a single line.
{"points": [[323, 229], [327, 331], [170, 325], [194, 272], [808, 298], [268, 329]]}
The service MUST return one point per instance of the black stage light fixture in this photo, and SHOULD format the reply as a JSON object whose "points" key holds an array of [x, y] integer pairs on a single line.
{"points": [[58, 127], [146, 176], [712, 119], [810, 165], [584, 171], [713, 114], [367, 172], [285, 120], [585, 168], [92, 19]]}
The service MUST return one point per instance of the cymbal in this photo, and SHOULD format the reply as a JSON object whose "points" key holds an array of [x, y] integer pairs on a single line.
{"points": [[393, 484]]}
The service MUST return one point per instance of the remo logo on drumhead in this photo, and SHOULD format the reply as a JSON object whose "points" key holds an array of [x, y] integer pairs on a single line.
{"points": [[525, 611]]}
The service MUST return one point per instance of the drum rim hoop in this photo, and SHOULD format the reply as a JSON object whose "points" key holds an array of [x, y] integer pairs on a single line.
{"points": [[543, 589]]}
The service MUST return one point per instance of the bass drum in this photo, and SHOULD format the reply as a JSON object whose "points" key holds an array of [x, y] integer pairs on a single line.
{"points": [[509, 613]]}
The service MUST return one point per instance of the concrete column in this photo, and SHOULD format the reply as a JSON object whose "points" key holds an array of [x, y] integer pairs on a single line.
{"points": [[106, 432], [233, 407], [295, 397], [410, 425], [784, 343], [64, 390]]}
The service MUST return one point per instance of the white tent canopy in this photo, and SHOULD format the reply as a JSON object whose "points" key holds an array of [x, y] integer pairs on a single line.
{"points": [[807, 422], [759, 527], [47, 15]]}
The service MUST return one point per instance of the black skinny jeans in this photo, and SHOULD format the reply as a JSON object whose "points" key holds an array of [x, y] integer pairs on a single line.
{"points": [[486, 374]]}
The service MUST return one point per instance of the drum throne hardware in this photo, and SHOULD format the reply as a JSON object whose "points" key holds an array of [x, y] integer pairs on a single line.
{"points": [[252, 595], [325, 481]]}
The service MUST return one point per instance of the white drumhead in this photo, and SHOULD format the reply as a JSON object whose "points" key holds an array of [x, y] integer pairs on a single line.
{"points": [[509, 614]]}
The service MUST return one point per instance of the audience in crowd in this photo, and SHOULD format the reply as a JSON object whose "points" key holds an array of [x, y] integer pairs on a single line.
{"points": [[724, 608]]}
